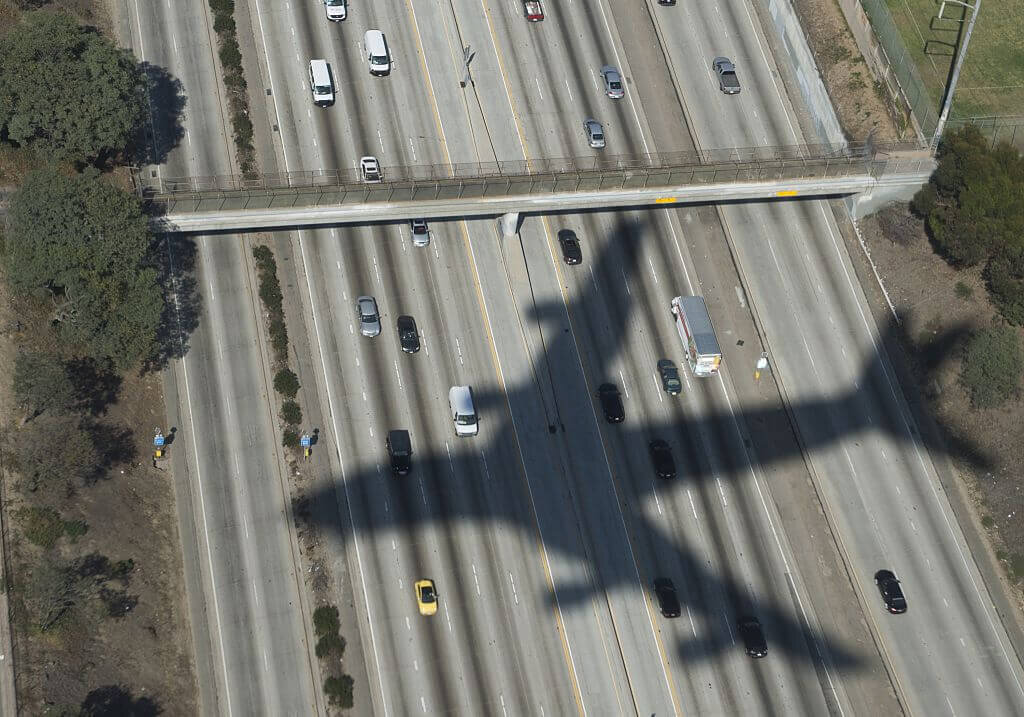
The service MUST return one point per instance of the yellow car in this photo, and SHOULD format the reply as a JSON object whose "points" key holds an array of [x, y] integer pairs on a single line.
{"points": [[426, 597]]}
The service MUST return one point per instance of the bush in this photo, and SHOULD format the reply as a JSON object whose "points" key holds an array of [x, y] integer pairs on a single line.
{"points": [[223, 24], [325, 620], [290, 439], [75, 529], [261, 254], [230, 55], [330, 645], [41, 526], [286, 383], [291, 413], [992, 366], [279, 339], [339, 691], [1006, 286], [270, 293], [963, 291]]}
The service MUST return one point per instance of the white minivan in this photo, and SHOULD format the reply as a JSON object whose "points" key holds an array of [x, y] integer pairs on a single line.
{"points": [[320, 83], [377, 54], [460, 402]]}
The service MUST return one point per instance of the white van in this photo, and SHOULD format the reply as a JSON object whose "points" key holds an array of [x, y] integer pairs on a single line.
{"points": [[460, 401], [320, 83], [376, 49]]}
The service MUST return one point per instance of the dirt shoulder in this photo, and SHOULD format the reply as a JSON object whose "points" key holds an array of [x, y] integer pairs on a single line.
{"points": [[860, 101]]}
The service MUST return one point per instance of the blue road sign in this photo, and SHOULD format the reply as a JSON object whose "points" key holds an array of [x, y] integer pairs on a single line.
{"points": [[158, 440], [305, 442]]}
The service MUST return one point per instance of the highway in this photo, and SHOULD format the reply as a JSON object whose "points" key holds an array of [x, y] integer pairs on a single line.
{"points": [[544, 533], [248, 627]]}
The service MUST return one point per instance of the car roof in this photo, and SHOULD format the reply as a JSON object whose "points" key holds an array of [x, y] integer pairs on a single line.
{"points": [[608, 388]]}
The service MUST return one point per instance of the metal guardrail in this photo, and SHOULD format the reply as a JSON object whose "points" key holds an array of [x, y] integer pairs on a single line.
{"points": [[597, 173]]}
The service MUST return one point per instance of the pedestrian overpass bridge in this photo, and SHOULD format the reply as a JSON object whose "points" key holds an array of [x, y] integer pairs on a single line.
{"points": [[872, 172]]}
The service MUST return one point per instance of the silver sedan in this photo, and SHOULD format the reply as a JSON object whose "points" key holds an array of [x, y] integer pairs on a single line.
{"points": [[369, 317]]}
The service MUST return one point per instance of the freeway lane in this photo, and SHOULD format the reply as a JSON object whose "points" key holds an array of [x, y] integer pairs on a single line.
{"points": [[409, 528], [246, 611], [879, 482]]}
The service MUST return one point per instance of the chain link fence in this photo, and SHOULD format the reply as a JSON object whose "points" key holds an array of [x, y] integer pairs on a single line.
{"points": [[560, 174]]}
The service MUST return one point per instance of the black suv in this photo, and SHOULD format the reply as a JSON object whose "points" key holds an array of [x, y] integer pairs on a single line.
{"points": [[407, 334], [611, 403], [571, 252], [753, 636], [661, 457], [892, 594], [668, 601]]}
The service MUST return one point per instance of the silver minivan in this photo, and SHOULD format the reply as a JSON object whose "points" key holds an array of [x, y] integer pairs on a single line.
{"points": [[460, 402], [377, 54]]}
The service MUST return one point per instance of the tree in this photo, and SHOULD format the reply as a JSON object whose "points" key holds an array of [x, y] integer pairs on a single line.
{"points": [[973, 204], [41, 383], [88, 242], [1005, 276], [53, 448], [66, 91], [992, 366]]}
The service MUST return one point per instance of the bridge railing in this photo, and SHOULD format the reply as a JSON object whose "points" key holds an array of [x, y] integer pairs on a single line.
{"points": [[591, 173]]}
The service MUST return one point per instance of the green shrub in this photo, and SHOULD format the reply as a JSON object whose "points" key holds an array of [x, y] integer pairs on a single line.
{"points": [[1017, 566], [286, 383], [330, 645], [243, 129], [261, 254], [290, 439], [223, 24], [992, 366], [222, 7], [291, 413], [987, 521], [42, 526], [1006, 286], [325, 620], [339, 691], [270, 294], [963, 291], [279, 339], [75, 529], [230, 55]]}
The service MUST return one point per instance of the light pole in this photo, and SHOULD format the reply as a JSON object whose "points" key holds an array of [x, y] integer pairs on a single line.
{"points": [[961, 53]]}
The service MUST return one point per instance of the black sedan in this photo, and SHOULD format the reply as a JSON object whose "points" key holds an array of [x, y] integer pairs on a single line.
{"points": [[669, 377], [892, 594], [408, 336], [571, 252], [754, 643], [668, 601], [611, 403], [661, 457]]}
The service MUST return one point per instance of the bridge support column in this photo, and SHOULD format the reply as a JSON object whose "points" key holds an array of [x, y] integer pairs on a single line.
{"points": [[508, 224]]}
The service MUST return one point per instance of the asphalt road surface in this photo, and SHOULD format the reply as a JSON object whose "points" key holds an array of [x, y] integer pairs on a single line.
{"points": [[544, 533]]}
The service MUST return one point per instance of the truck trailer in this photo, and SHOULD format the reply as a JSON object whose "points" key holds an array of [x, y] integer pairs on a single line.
{"points": [[697, 334]]}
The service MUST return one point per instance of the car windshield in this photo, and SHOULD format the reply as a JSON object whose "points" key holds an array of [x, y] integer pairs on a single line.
{"points": [[335, 3], [465, 420], [426, 594]]}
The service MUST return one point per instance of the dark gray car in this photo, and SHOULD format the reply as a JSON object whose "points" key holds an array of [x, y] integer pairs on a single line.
{"points": [[728, 82]]}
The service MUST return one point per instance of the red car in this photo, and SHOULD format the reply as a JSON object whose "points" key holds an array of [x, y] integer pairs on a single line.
{"points": [[534, 11]]}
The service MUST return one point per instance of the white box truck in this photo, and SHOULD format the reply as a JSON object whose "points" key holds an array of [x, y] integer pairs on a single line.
{"points": [[697, 334]]}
